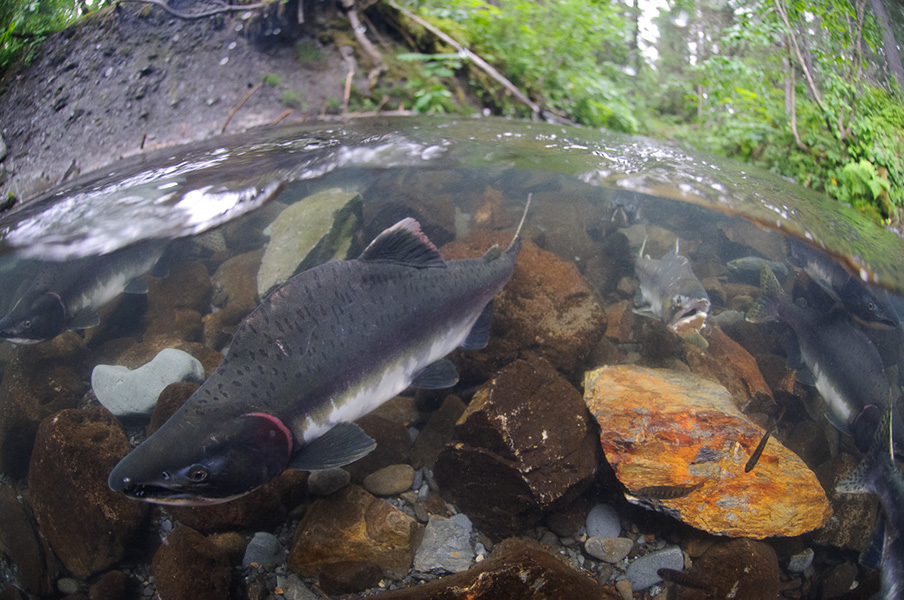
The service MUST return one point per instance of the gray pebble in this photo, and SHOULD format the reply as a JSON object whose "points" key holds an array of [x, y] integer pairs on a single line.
{"points": [[799, 562], [603, 522], [294, 588], [642, 573], [418, 480], [549, 539], [126, 392], [68, 585], [610, 550], [423, 492], [265, 550], [390, 480], [420, 513], [328, 481], [446, 546]]}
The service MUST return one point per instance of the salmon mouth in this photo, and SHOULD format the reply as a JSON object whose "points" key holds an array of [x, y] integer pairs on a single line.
{"points": [[158, 494], [692, 316]]}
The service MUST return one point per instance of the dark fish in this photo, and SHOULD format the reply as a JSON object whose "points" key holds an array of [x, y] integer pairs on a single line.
{"points": [[685, 579], [66, 295], [878, 475], [844, 363], [670, 291], [868, 306], [747, 268], [323, 349], [757, 452], [666, 492]]}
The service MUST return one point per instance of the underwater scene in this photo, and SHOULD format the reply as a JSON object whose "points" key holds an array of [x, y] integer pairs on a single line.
{"points": [[447, 359]]}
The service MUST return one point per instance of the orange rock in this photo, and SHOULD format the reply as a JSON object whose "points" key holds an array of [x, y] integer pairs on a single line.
{"points": [[619, 321], [664, 431]]}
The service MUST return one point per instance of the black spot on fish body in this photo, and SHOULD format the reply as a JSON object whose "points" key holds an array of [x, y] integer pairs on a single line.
{"points": [[236, 383]]}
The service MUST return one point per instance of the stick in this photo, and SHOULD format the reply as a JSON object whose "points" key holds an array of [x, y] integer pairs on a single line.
{"points": [[239, 105], [285, 114], [365, 43]]}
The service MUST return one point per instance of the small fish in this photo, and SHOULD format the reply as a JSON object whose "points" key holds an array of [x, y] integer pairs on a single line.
{"points": [[66, 295], [670, 291], [325, 348], [846, 367], [758, 451], [868, 306], [747, 269], [685, 579], [878, 475], [666, 492]]}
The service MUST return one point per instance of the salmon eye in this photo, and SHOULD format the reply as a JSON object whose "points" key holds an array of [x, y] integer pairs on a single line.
{"points": [[677, 300], [28, 324], [197, 473]]}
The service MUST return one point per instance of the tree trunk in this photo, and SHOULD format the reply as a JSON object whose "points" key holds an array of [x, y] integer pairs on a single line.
{"points": [[889, 43]]}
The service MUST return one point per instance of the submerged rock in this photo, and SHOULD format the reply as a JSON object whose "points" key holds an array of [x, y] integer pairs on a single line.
{"points": [[546, 306], [265, 550], [679, 444], [644, 572], [87, 525], [354, 525], [189, 566], [739, 568], [523, 445], [517, 568], [125, 392], [349, 577], [312, 231], [23, 545], [34, 387], [234, 295], [446, 546]]}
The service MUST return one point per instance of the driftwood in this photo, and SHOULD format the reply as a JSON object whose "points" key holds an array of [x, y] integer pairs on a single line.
{"points": [[366, 45], [221, 7]]}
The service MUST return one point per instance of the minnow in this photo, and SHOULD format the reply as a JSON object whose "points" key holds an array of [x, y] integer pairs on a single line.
{"points": [[325, 348]]}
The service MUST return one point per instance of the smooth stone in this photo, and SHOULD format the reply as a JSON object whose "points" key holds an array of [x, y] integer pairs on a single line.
{"points": [[800, 561], [390, 480], [679, 444], [126, 392], [68, 585], [603, 522], [623, 587], [642, 573], [265, 550], [328, 481], [609, 550], [739, 568], [446, 546], [309, 232], [349, 577]]}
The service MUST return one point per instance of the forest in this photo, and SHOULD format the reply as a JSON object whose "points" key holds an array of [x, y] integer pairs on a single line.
{"points": [[810, 89]]}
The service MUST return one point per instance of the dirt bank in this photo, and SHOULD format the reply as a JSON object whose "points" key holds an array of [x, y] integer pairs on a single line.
{"points": [[134, 78]]}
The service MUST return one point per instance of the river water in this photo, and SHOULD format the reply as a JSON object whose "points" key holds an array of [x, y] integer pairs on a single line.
{"points": [[198, 235]]}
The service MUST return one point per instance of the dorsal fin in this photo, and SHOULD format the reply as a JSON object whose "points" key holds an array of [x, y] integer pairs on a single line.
{"points": [[404, 244]]}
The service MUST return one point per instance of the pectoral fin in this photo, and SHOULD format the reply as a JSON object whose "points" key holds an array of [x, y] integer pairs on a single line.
{"points": [[83, 319], [343, 444], [436, 376], [136, 286]]}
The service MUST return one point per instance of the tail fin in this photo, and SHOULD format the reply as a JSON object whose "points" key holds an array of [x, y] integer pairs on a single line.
{"points": [[766, 308], [879, 458]]}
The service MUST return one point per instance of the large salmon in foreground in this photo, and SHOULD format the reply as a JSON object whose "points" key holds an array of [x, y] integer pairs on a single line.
{"points": [[327, 347]]}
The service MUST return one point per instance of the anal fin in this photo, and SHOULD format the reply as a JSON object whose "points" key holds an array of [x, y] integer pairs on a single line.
{"points": [[436, 376], [343, 444], [83, 319], [479, 336]]}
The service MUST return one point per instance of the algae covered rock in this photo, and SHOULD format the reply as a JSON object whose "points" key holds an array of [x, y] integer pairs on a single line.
{"points": [[312, 231], [679, 444]]}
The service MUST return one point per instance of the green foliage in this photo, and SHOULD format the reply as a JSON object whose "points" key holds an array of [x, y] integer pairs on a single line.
{"points": [[569, 55], [427, 89], [309, 53], [271, 79], [291, 99], [25, 24]]}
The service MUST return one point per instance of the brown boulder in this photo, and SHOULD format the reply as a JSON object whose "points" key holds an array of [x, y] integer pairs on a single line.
{"points": [[851, 527], [86, 524], [235, 293], [189, 286], [21, 542], [139, 354], [190, 567], [546, 306], [393, 446], [33, 388], [518, 569], [349, 577], [437, 432], [353, 525], [523, 445], [734, 569], [170, 400]]}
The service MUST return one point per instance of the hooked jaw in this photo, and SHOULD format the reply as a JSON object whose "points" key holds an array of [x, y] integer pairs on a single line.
{"points": [[690, 315]]}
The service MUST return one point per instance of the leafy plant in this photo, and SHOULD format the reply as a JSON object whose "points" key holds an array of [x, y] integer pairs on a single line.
{"points": [[271, 79]]}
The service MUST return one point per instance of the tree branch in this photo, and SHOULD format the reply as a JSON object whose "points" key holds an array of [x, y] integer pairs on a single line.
{"points": [[223, 8], [365, 43], [479, 62]]}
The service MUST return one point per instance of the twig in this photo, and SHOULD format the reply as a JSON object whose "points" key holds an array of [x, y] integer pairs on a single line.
{"points": [[348, 90], [239, 105], [285, 114], [479, 62], [223, 8], [365, 43]]}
